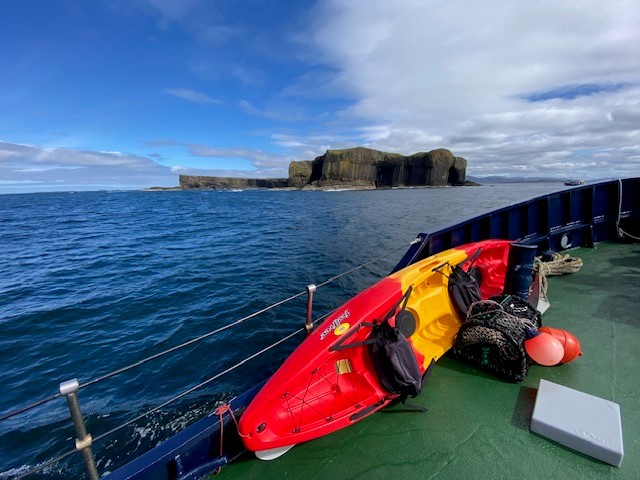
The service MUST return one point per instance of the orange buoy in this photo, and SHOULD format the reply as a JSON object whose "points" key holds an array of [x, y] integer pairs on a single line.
{"points": [[543, 348], [569, 342]]}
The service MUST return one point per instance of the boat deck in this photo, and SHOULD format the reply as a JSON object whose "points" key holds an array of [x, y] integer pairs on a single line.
{"points": [[477, 426]]}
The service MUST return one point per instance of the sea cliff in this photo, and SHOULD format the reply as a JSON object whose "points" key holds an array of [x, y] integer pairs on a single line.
{"points": [[355, 168], [196, 182]]}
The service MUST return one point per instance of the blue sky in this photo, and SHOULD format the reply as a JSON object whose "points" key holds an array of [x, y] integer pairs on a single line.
{"points": [[131, 93]]}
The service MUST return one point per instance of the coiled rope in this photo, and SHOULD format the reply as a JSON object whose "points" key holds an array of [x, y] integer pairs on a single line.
{"points": [[560, 264]]}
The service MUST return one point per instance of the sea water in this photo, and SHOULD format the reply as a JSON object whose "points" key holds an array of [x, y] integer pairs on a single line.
{"points": [[91, 282]]}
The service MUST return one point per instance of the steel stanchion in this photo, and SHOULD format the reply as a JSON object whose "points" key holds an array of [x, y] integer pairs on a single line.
{"points": [[83, 439], [309, 323]]}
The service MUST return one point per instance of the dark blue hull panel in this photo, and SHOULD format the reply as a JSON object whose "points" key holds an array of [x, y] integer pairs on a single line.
{"points": [[193, 452], [575, 217]]}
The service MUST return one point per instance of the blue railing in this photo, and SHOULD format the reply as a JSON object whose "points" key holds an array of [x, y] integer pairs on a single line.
{"points": [[576, 217]]}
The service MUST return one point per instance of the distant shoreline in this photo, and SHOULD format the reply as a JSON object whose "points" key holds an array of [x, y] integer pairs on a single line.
{"points": [[326, 188], [473, 182], [161, 189]]}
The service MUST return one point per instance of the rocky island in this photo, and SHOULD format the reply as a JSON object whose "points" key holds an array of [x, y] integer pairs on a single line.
{"points": [[352, 168]]}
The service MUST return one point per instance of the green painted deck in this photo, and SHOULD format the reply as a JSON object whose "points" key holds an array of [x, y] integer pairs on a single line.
{"points": [[477, 426]]}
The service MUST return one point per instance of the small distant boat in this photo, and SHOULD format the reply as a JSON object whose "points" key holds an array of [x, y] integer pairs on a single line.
{"points": [[574, 182]]}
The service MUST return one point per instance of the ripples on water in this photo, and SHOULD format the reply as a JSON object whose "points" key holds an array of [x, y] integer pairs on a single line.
{"points": [[93, 281]]}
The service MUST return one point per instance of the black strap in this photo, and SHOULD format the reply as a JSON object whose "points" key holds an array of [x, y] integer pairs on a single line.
{"points": [[412, 407], [339, 345], [472, 258], [366, 411], [404, 300]]}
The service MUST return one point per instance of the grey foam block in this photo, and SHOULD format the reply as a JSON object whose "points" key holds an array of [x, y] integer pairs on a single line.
{"points": [[583, 422]]}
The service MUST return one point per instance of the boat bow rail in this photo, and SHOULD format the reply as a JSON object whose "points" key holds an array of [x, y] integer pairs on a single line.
{"points": [[190, 453], [576, 217]]}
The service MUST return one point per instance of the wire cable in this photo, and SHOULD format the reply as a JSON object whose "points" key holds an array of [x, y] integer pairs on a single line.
{"points": [[348, 272], [198, 386], [113, 373], [44, 465], [168, 402]]}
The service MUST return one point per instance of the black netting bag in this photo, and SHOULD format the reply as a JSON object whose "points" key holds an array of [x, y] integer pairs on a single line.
{"points": [[492, 338], [518, 307]]}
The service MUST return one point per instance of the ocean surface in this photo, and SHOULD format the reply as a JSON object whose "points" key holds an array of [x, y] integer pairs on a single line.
{"points": [[91, 282]]}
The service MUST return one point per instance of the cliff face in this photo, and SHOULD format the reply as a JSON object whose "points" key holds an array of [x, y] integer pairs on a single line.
{"points": [[352, 168], [192, 182], [363, 167], [300, 173]]}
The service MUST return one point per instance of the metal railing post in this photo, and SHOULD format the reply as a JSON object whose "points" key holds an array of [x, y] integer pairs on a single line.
{"points": [[83, 440], [309, 324]]}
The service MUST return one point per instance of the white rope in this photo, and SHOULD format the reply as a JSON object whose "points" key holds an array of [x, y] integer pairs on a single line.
{"points": [[621, 232], [558, 265]]}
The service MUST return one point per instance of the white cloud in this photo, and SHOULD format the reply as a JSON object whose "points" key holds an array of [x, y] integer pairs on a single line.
{"points": [[192, 96], [485, 80], [455, 56], [251, 109], [173, 9], [216, 34], [63, 167], [265, 164], [415, 75], [427, 74]]}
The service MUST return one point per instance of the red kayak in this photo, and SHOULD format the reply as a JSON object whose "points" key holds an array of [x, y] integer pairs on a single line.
{"points": [[329, 382]]}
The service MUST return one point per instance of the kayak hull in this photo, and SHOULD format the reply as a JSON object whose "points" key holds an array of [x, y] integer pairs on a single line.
{"points": [[329, 382]]}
